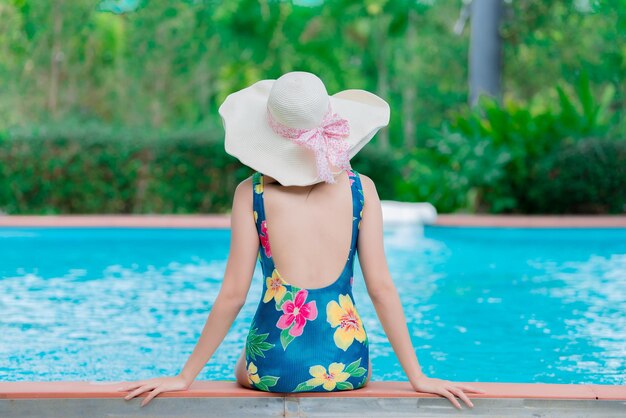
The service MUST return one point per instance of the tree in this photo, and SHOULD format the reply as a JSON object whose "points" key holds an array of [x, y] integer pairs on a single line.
{"points": [[485, 49]]}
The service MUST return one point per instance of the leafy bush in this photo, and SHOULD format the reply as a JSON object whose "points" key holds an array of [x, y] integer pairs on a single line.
{"points": [[492, 158], [96, 169], [91, 168], [587, 176], [527, 134], [381, 166], [450, 172]]}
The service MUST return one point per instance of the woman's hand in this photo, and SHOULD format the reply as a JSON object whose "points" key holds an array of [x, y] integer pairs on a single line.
{"points": [[445, 388], [156, 385]]}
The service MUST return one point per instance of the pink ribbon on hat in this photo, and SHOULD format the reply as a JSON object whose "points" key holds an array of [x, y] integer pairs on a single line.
{"points": [[327, 141]]}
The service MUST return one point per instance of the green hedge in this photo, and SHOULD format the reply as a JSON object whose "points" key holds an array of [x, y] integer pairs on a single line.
{"points": [[588, 176], [47, 171], [95, 169]]}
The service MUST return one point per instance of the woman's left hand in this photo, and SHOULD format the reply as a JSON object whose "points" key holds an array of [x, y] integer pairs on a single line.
{"points": [[446, 389]]}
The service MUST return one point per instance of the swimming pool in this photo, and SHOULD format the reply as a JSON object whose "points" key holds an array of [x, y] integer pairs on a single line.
{"points": [[482, 304]]}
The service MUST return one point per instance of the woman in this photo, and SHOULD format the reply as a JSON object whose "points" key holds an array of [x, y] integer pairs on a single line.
{"points": [[307, 334]]}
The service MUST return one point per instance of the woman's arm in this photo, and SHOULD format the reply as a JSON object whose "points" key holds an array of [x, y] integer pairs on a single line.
{"points": [[387, 302], [244, 247]]}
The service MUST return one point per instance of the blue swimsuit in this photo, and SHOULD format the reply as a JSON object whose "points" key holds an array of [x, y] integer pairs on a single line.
{"points": [[306, 340]]}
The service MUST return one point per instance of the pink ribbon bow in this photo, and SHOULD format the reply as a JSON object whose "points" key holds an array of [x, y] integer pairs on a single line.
{"points": [[326, 140]]}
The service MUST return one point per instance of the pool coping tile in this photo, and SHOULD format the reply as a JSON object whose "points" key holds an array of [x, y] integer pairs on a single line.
{"points": [[531, 221], [609, 392], [217, 220], [382, 389]]}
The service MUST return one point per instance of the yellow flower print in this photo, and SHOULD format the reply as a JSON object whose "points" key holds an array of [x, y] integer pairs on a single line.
{"points": [[345, 316], [262, 383], [258, 188], [256, 216], [328, 379], [336, 377], [253, 377], [275, 288], [360, 219]]}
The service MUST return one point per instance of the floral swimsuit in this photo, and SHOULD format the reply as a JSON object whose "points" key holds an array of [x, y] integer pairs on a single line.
{"points": [[306, 340]]}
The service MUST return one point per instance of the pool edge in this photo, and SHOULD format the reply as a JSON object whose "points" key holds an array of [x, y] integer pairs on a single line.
{"points": [[219, 221], [378, 389], [532, 221], [225, 398]]}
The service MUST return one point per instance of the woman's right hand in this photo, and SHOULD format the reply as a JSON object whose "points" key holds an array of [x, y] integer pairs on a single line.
{"points": [[156, 385], [446, 389]]}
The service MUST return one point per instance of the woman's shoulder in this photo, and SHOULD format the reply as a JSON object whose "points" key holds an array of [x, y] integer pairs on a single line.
{"points": [[365, 179], [243, 190], [369, 187], [246, 183]]}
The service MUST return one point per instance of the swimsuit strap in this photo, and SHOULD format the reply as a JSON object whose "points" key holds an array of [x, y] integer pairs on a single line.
{"points": [[257, 203], [358, 202]]}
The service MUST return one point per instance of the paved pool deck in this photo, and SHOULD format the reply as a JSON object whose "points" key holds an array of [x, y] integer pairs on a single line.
{"points": [[225, 398]]}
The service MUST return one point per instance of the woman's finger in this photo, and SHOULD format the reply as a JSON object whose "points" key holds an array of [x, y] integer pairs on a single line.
{"points": [[131, 385], [458, 392], [451, 398], [468, 388], [138, 391], [151, 396]]}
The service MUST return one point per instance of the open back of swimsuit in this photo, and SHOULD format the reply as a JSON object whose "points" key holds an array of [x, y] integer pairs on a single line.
{"points": [[301, 339]]}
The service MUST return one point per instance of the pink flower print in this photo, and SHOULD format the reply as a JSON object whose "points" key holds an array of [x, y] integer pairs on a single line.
{"points": [[297, 311], [351, 280], [265, 241], [351, 176]]}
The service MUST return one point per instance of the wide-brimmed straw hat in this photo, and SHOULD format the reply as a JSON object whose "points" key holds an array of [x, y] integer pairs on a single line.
{"points": [[291, 129]]}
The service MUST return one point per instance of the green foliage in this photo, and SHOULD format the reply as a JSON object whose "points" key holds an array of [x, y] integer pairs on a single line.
{"points": [[486, 158], [546, 41], [381, 166], [256, 344], [266, 382], [451, 171], [90, 168], [587, 176], [166, 64], [303, 387], [354, 369], [144, 80], [286, 338], [344, 386], [94, 169], [521, 135]]}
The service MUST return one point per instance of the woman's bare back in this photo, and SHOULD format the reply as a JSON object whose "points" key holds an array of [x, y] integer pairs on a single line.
{"points": [[309, 230]]}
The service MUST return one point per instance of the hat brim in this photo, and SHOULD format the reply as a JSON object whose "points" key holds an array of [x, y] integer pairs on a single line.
{"points": [[250, 139]]}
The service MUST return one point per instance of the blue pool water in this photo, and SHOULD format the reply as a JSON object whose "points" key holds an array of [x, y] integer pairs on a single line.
{"points": [[482, 304]]}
